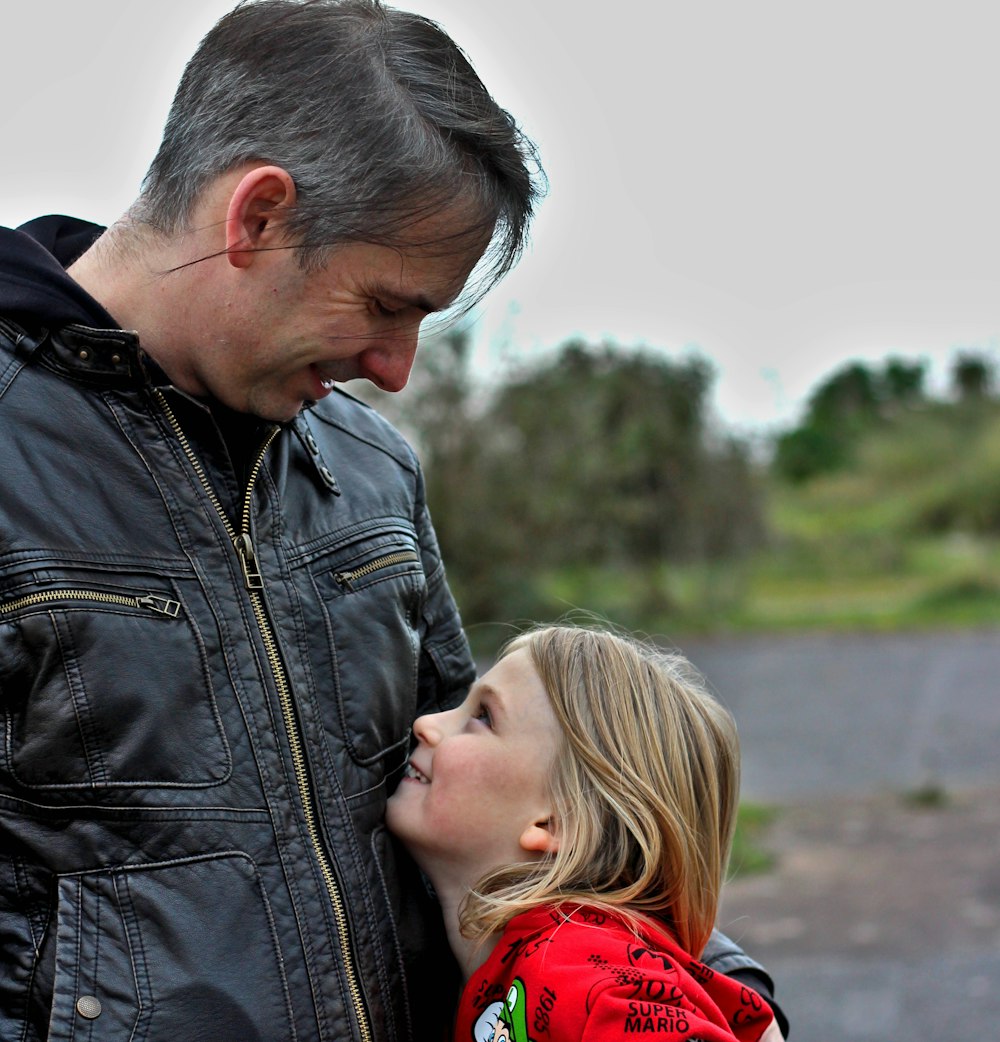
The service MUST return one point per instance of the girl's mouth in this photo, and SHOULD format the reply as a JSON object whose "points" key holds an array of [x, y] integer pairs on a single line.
{"points": [[416, 774]]}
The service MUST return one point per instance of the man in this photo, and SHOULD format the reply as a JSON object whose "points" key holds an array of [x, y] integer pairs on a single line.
{"points": [[221, 598]]}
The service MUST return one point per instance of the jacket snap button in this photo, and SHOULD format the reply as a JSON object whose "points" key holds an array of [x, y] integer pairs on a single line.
{"points": [[88, 1006], [83, 355]]}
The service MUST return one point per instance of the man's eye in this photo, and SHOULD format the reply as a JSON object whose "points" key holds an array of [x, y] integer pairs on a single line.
{"points": [[385, 312]]}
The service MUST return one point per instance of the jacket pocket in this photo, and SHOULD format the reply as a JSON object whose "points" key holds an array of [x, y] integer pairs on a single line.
{"points": [[183, 950], [105, 683], [372, 591]]}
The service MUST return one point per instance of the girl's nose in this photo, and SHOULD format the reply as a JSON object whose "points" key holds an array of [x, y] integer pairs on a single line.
{"points": [[427, 728], [432, 727]]}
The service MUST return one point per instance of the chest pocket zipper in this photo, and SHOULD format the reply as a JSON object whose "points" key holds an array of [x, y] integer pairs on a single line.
{"points": [[153, 602], [347, 579]]}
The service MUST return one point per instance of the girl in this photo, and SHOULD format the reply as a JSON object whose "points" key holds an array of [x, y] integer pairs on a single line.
{"points": [[574, 815]]}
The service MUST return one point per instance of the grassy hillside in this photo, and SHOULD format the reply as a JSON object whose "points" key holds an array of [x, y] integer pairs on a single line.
{"points": [[907, 533]]}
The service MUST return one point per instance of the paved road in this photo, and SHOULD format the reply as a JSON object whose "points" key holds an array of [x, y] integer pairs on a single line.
{"points": [[831, 714], [881, 920]]}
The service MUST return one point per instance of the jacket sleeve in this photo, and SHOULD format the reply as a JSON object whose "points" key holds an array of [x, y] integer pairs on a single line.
{"points": [[724, 955], [447, 668]]}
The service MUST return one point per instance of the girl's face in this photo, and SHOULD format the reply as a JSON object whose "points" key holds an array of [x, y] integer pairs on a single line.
{"points": [[475, 794]]}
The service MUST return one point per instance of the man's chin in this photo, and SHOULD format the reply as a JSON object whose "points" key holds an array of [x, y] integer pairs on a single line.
{"points": [[283, 416]]}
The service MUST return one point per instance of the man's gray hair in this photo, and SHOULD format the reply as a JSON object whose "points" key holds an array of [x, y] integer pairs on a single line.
{"points": [[376, 114]]}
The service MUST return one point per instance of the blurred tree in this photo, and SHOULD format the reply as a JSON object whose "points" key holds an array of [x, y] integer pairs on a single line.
{"points": [[581, 443], [972, 376], [844, 407], [609, 458], [850, 395], [903, 381]]}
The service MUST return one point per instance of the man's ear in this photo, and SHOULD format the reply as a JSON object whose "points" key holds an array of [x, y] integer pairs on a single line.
{"points": [[256, 208], [541, 837]]}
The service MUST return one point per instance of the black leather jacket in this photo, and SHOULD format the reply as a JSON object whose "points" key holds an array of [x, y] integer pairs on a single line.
{"points": [[208, 670], [206, 689]]}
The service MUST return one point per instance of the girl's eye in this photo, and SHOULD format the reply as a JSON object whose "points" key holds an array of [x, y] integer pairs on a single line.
{"points": [[482, 714]]}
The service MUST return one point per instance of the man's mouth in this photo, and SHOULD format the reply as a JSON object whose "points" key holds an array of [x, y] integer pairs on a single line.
{"points": [[416, 774]]}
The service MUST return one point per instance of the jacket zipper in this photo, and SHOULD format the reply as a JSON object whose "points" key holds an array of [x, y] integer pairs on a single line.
{"points": [[254, 581], [347, 578], [150, 601]]}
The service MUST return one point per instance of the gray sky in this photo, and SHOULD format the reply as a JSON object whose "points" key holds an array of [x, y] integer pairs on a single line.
{"points": [[780, 186]]}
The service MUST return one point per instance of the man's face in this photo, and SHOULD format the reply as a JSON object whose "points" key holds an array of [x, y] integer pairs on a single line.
{"points": [[284, 336]]}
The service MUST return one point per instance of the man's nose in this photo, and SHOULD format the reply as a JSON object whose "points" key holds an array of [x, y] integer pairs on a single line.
{"points": [[388, 365]]}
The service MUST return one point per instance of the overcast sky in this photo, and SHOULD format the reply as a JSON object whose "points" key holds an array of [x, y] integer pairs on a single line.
{"points": [[779, 186]]}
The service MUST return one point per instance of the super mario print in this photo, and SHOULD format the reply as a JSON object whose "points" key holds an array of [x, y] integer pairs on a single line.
{"points": [[505, 1021], [593, 976]]}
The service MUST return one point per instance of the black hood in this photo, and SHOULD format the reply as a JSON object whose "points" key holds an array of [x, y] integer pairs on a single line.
{"points": [[34, 287]]}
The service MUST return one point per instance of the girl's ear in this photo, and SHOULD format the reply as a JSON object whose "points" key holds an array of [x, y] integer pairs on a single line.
{"points": [[541, 837]]}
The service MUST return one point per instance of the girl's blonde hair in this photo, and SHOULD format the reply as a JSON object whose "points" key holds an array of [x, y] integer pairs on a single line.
{"points": [[645, 785]]}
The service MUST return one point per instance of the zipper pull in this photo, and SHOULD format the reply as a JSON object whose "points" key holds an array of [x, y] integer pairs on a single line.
{"points": [[248, 558], [344, 579], [163, 605]]}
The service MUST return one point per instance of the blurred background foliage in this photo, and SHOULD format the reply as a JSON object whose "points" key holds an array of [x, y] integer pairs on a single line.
{"points": [[598, 480]]}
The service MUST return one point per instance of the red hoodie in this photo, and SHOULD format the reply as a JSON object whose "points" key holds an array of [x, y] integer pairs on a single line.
{"points": [[582, 975]]}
